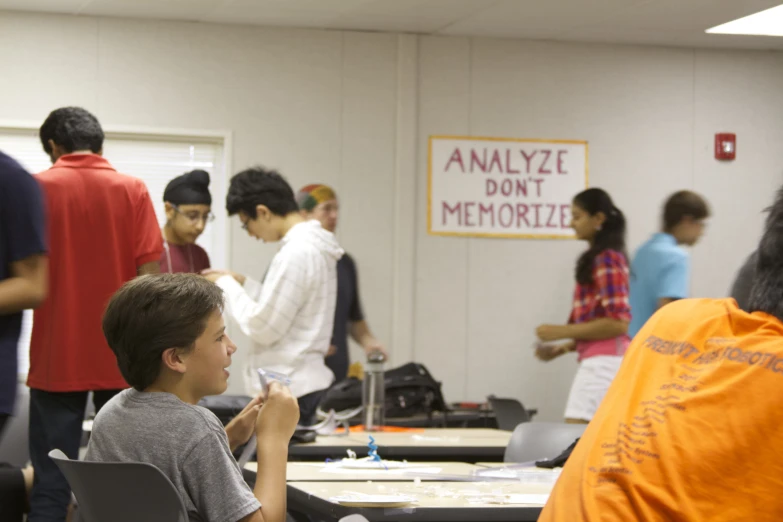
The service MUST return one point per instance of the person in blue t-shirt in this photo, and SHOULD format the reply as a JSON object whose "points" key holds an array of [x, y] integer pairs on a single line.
{"points": [[660, 268], [23, 268]]}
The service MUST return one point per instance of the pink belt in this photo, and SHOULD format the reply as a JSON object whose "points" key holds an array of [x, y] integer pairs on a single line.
{"points": [[614, 346]]}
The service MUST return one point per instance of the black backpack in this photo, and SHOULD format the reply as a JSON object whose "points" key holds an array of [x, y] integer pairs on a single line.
{"points": [[410, 390]]}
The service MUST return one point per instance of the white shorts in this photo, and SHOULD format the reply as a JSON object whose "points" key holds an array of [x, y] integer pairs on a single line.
{"points": [[591, 382]]}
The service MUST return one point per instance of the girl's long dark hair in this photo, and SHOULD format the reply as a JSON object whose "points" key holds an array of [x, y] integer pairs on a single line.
{"points": [[612, 233]]}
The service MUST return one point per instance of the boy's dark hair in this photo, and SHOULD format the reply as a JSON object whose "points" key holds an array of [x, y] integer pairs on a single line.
{"points": [[612, 233], [766, 294], [258, 186], [683, 204], [72, 128], [153, 313]]}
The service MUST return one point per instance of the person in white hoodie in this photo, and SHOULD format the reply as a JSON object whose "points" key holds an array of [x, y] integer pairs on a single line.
{"points": [[290, 316]]}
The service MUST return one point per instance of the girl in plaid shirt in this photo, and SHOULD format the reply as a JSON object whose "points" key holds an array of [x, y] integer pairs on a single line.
{"points": [[598, 325]]}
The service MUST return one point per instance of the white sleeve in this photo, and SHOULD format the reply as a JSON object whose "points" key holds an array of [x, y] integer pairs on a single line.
{"points": [[253, 288], [269, 318]]}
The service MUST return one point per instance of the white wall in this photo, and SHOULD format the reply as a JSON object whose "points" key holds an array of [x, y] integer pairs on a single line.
{"points": [[650, 115], [354, 110]]}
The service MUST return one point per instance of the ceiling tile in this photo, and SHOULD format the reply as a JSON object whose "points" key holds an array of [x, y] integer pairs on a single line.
{"points": [[191, 10], [46, 6], [408, 15], [673, 39], [286, 13], [671, 15], [646, 22], [536, 19]]}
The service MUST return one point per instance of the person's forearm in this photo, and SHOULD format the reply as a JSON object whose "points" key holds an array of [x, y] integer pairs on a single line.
{"points": [[233, 442], [360, 332], [18, 293], [262, 321], [270, 488], [599, 329]]}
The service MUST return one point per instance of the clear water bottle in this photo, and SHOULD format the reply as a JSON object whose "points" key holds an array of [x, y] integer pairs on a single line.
{"points": [[373, 392]]}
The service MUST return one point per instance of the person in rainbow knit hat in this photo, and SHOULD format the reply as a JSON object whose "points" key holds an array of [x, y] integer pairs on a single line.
{"points": [[320, 202]]}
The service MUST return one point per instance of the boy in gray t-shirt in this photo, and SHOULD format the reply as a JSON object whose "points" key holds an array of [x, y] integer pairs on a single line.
{"points": [[147, 324]]}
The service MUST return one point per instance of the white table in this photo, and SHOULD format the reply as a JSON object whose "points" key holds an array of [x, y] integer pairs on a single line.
{"points": [[323, 472]]}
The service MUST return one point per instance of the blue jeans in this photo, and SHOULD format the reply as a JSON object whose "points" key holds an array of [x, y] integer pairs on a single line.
{"points": [[56, 423]]}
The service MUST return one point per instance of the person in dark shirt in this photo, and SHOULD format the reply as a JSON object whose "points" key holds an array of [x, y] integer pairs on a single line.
{"points": [[23, 268], [320, 202], [23, 285]]}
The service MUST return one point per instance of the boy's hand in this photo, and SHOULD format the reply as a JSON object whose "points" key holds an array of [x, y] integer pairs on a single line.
{"points": [[241, 427], [279, 414]]}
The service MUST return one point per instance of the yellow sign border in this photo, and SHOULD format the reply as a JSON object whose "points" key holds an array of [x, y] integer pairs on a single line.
{"points": [[486, 138]]}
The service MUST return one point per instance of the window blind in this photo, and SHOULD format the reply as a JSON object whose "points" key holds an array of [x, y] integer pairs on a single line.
{"points": [[153, 159]]}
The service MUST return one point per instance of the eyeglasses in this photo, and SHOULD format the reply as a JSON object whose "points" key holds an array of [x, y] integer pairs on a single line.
{"points": [[195, 217]]}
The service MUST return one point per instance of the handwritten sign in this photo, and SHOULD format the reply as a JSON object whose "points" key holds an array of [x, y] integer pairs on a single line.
{"points": [[501, 187]]}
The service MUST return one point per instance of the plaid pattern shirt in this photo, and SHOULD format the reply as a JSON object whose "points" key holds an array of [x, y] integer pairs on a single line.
{"points": [[607, 296]]}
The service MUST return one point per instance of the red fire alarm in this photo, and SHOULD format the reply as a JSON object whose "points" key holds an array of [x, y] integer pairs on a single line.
{"points": [[725, 146]]}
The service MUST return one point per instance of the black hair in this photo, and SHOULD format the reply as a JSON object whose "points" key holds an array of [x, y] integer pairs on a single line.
{"points": [[259, 186], [683, 204], [153, 313], [612, 233], [766, 294], [72, 128]]}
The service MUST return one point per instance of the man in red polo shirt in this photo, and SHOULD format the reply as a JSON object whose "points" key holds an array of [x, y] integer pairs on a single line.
{"points": [[102, 233]]}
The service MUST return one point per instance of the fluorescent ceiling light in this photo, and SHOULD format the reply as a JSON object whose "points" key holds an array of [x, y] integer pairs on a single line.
{"points": [[765, 23]]}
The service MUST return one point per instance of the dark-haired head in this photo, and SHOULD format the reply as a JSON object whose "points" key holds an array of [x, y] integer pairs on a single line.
{"points": [[596, 219], [766, 294], [188, 207], [261, 198], [158, 322], [71, 129], [683, 216]]}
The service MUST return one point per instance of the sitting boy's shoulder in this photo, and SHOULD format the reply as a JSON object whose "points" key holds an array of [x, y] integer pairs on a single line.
{"points": [[162, 411]]}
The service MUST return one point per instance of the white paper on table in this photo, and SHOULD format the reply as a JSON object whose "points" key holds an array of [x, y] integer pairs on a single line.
{"points": [[520, 498], [435, 439], [399, 471], [522, 474], [528, 498], [501, 473], [377, 499]]}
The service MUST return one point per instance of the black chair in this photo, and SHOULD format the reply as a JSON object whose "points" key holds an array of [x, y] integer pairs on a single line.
{"points": [[509, 413]]}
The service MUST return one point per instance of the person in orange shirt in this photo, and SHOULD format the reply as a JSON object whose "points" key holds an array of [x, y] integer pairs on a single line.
{"points": [[689, 428]]}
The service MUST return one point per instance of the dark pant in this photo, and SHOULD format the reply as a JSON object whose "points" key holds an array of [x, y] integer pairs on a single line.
{"points": [[56, 423], [4, 419], [308, 404], [13, 497]]}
